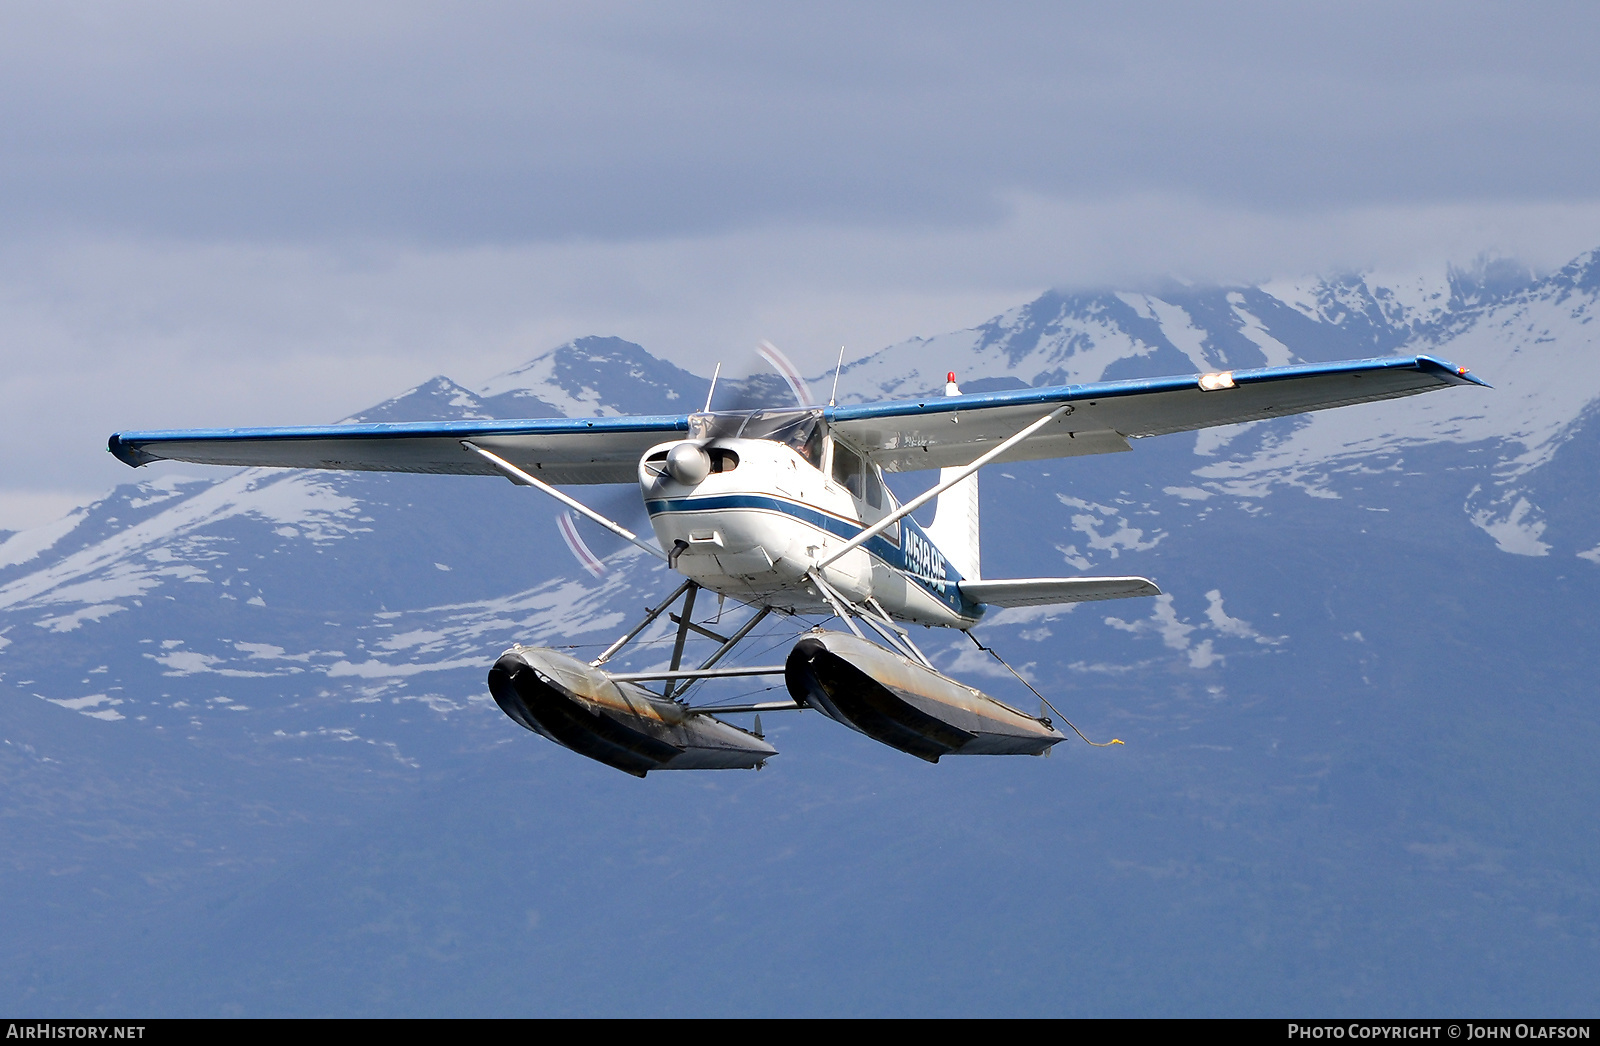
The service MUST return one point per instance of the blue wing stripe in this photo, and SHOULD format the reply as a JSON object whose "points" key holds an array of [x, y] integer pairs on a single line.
{"points": [[1444, 372], [129, 447]]}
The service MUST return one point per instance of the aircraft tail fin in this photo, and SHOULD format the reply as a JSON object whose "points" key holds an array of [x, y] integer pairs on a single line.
{"points": [[954, 529]]}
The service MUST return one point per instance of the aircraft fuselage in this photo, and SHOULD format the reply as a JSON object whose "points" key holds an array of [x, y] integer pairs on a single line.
{"points": [[767, 514]]}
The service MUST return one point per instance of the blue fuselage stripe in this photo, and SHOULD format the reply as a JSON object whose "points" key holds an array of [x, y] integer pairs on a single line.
{"points": [[914, 555]]}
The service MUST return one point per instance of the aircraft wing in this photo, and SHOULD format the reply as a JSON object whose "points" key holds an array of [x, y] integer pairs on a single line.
{"points": [[557, 450], [943, 431]]}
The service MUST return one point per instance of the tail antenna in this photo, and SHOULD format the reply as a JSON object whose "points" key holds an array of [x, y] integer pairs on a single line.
{"points": [[713, 390], [832, 396]]}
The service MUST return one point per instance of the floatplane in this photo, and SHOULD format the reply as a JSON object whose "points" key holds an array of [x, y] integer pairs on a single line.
{"points": [[785, 510]]}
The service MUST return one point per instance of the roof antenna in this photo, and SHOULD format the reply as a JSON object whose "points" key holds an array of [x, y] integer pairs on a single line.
{"points": [[713, 389], [835, 393]]}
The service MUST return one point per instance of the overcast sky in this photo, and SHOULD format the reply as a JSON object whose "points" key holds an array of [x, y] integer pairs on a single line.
{"points": [[282, 213]]}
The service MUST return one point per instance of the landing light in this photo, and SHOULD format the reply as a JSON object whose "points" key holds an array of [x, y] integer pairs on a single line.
{"points": [[1222, 379]]}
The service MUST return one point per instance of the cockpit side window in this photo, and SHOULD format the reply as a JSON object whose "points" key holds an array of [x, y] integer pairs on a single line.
{"points": [[847, 469], [874, 487], [810, 447]]}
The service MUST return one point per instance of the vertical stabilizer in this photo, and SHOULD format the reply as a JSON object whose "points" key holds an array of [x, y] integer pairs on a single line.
{"points": [[955, 516]]}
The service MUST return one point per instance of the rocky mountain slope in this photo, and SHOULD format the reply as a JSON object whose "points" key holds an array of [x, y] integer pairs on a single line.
{"points": [[251, 767]]}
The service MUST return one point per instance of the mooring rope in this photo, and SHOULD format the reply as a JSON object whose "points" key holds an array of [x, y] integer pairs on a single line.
{"points": [[1041, 697]]}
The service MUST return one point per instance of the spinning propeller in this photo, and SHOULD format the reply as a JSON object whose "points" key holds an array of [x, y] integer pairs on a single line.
{"points": [[591, 545]]}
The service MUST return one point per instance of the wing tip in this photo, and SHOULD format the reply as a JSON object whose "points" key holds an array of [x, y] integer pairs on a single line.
{"points": [[1451, 373], [128, 453]]}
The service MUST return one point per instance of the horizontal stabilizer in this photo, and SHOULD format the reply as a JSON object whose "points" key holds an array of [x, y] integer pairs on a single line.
{"points": [[1038, 591]]}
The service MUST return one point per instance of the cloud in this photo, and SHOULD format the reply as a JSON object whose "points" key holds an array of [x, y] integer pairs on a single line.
{"points": [[104, 334], [506, 123], [285, 213]]}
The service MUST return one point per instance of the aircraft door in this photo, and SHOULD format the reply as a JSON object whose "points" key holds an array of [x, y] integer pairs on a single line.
{"points": [[862, 479], [854, 574], [848, 469]]}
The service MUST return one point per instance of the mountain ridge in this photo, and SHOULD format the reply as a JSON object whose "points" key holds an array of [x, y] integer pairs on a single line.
{"points": [[251, 766]]}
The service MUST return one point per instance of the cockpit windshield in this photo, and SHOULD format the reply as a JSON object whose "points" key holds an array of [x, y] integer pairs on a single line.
{"points": [[801, 430]]}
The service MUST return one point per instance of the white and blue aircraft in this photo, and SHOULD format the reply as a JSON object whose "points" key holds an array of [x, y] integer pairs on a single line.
{"points": [[786, 510]]}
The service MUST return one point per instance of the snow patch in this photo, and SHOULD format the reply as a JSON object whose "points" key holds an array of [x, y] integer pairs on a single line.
{"points": [[164, 489], [1232, 626], [1105, 530], [23, 546], [1299, 294], [538, 378], [1177, 326], [310, 502], [1075, 345], [1536, 350], [1276, 352], [190, 662], [268, 652], [1513, 521], [1027, 615], [89, 706], [1187, 493], [423, 638], [382, 670], [70, 622], [1412, 297], [1179, 635], [435, 702]]}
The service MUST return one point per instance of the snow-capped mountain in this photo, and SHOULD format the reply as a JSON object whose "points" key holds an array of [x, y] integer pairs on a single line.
{"points": [[251, 765]]}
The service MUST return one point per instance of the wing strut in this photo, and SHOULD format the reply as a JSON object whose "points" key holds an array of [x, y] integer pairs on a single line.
{"points": [[522, 479], [876, 617], [943, 485]]}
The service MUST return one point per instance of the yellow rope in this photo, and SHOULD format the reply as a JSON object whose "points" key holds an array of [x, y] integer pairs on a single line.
{"points": [[1041, 697]]}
